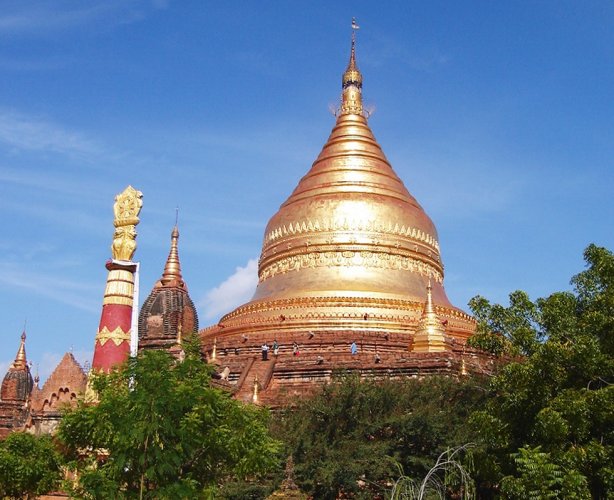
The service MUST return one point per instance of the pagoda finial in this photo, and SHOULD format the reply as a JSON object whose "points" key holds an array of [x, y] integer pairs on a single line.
{"points": [[172, 269], [20, 358], [351, 83], [431, 333], [429, 310]]}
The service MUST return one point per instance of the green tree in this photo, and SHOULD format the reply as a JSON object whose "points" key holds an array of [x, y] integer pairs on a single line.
{"points": [[29, 466], [539, 478], [350, 437], [551, 411], [160, 430]]}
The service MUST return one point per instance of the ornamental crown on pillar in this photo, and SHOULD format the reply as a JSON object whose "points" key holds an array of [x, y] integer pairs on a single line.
{"points": [[126, 209]]}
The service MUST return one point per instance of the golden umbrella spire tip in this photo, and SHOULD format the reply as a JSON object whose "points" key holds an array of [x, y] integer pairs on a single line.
{"points": [[20, 358], [351, 83], [172, 269]]}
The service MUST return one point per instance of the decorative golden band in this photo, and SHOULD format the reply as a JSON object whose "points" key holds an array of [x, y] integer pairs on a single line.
{"points": [[348, 258], [117, 336], [120, 288], [336, 225], [114, 299]]}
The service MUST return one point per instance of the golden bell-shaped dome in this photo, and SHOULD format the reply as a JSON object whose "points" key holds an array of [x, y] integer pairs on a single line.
{"points": [[350, 243], [350, 226]]}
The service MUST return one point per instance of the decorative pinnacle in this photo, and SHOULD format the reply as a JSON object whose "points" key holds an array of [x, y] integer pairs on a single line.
{"points": [[172, 270], [430, 320], [351, 83], [20, 359], [429, 310]]}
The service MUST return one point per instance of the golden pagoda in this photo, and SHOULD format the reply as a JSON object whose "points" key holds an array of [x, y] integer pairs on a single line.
{"points": [[346, 260]]}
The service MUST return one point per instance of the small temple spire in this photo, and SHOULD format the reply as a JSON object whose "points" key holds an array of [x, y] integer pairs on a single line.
{"points": [[172, 269], [429, 310], [351, 83], [20, 358], [17, 383], [431, 333]]}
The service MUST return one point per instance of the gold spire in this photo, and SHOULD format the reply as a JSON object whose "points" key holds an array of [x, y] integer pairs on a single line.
{"points": [[172, 270], [20, 359], [430, 334], [429, 310], [351, 83]]}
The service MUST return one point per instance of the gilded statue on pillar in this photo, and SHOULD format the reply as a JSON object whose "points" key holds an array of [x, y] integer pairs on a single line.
{"points": [[126, 209]]}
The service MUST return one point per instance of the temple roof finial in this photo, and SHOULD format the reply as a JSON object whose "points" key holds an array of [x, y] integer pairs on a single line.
{"points": [[20, 358], [351, 83], [428, 306], [172, 269]]}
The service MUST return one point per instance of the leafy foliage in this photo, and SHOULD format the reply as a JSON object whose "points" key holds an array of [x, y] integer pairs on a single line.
{"points": [[350, 436], [29, 466], [550, 415], [539, 478], [160, 430]]}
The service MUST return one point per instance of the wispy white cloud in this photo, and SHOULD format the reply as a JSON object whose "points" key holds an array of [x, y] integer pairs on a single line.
{"points": [[38, 64], [33, 16], [44, 180], [232, 292], [58, 288], [41, 17], [23, 132], [260, 139], [464, 198], [55, 217], [385, 49]]}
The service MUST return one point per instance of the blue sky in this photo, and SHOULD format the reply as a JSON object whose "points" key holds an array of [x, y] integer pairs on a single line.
{"points": [[497, 116]]}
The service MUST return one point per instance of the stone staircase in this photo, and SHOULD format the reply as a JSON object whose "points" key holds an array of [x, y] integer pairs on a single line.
{"points": [[260, 370]]}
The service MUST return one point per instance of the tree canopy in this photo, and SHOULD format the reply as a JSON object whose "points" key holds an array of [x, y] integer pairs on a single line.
{"points": [[160, 430], [547, 429], [354, 435], [29, 466]]}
